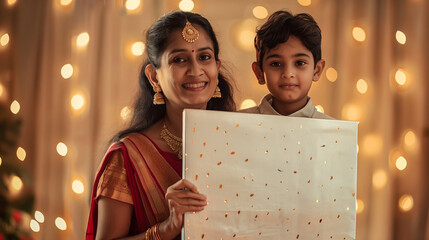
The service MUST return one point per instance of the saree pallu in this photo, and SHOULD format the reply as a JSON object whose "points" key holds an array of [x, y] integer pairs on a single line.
{"points": [[148, 175]]}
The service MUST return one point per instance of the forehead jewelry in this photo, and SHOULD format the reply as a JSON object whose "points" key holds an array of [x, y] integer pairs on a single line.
{"points": [[189, 33]]}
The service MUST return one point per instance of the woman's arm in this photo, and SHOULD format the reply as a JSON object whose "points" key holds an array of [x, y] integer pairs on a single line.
{"points": [[114, 218]]}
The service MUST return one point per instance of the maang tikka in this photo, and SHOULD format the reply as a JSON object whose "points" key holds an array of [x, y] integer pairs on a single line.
{"points": [[189, 33]]}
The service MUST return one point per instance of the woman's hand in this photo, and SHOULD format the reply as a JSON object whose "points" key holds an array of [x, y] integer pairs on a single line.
{"points": [[183, 196]]}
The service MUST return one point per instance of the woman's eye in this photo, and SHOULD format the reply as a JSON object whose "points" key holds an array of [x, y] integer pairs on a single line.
{"points": [[205, 57], [275, 64], [178, 59]]}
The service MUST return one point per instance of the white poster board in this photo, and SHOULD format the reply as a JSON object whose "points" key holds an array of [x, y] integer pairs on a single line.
{"points": [[270, 177]]}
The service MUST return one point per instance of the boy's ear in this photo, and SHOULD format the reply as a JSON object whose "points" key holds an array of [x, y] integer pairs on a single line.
{"points": [[258, 73], [150, 73], [320, 65]]}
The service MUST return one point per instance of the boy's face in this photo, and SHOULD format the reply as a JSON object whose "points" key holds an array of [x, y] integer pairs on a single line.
{"points": [[289, 71]]}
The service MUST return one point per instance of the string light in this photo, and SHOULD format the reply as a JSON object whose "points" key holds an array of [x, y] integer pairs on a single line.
{"points": [[15, 107], [137, 48], [359, 34], [34, 225], [331, 74], [39, 217], [260, 12], [78, 186], [67, 71], [401, 163], [362, 86], [406, 202], [247, 104], [4, 39], [400, 37], [77, 101], [60, 223], [186, 5], [82, 39], [132, 4], [21, 154], [304, 3], [62, 149], [379, 179], [320, 108]]}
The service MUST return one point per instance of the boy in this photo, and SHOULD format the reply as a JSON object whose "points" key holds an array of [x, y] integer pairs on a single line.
{"points": [[288, 59]]}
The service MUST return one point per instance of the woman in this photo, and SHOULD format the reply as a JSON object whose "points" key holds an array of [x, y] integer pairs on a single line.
{"points": [[138, 192]]}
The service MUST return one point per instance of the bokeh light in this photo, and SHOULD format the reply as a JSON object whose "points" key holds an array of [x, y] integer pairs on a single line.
{"points": [[409, 138], [260, 12], [359, 34], [401, 37], [78, 186], [62, 149], [406, 202], [372, 145], [60, 223], [39, 216], [77, 101], [126, 113], [65, 2], [248, 103], [132, 4], [34, 225], [67, 71], [401, 163], [16, 184], [137, 48], [304, 3], [360, 206], [351, 112], [331, 74], [320, 108], [15, 107], [400, 77], [82, 39], [4, 39], [362, 86], [20, 153], [379, 179], [186, 5]]}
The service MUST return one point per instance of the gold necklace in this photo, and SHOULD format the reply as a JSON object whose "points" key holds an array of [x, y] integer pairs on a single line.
{"points": [[174, 142]]}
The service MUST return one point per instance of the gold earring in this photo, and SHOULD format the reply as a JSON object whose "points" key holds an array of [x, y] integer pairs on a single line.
{"points": [[217, 93], [158, 98]]}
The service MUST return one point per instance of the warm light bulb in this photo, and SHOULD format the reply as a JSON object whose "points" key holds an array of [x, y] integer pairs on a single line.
{"points": [[16, 183], [132, 4], [186, 5], [304, 3], [62, 149], [60, 223], [406, 202], [401, 163], [125, 113], [67, 71], [34, 225], [331, 74], [77, 101], [379, 179], [4, 39], [260, 12], [320, 108], [15, 107], [65, 2], [137, 48], [362, 86], [82, 39], [400, 37], [248, 103], [21, 154], [400, 77], [78, 186], [39, 216], [359, 34], [360, 206]]}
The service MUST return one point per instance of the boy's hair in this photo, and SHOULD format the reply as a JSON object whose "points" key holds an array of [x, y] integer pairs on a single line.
{"points": [[280, 26]]}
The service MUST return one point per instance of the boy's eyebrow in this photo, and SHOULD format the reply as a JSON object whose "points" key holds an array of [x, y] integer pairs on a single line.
{"points": [[185, 50], [295, 55]]}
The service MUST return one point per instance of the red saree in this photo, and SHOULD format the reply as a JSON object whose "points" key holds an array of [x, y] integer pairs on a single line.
{"points": [[149, 173]]}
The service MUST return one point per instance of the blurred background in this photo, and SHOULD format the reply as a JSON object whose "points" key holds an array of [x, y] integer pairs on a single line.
{"points": [[68, 76]]}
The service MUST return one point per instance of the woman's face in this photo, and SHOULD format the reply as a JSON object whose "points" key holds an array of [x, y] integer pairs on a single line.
{"points": [[188, 73]]}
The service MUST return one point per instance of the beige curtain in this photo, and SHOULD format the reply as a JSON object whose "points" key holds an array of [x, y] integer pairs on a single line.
{"points": [[393, 118]]}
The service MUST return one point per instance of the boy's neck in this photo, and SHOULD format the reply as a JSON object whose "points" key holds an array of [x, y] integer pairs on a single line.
{"points": [[287, 109]]}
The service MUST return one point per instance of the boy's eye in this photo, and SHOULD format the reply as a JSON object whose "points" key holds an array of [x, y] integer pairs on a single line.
{"points": [[275, 64], [300, 63]]}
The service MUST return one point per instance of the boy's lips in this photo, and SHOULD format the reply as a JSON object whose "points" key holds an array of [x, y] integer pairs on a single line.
{"points": [[288, 85]]}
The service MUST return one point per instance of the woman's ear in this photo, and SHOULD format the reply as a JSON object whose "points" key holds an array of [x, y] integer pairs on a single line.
{"points": [[258, 73], [320, 65], [150, 73]]}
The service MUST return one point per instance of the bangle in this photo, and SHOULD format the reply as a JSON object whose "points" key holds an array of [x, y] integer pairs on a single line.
{"points": [[156, 232]]}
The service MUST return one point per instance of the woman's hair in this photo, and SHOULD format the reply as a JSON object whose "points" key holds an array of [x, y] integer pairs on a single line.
{"points": [[280, 26], [145, 112]]}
